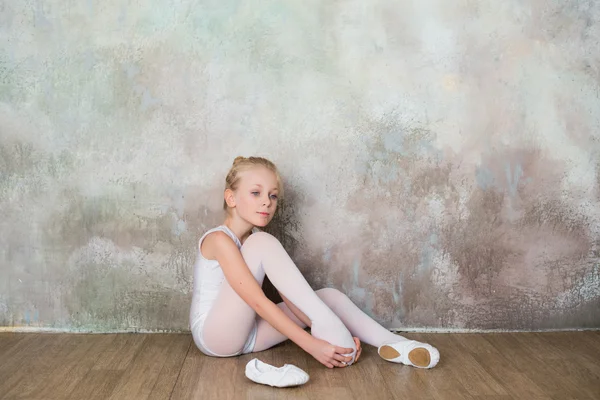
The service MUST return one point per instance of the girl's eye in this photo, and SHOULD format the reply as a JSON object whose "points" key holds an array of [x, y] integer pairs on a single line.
{"points": [[255, 193], [274, 196]]}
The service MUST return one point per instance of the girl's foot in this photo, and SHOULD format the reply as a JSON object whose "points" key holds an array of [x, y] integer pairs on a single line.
{"points": [[410, 352]]}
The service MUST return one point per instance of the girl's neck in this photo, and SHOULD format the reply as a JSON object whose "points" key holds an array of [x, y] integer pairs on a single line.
{"points": [[241, 229]]}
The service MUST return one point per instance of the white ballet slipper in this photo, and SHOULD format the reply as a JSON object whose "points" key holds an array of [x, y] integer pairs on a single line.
{"points": [[410, 352], [266, 374]]}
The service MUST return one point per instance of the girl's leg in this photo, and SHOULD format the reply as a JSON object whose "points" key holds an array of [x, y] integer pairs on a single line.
{"points": [[230, 320], [360, 324], [263, 252]]}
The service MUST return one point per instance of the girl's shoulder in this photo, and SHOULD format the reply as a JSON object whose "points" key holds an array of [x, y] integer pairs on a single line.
{"points": [[221, 228], [215, 234]]}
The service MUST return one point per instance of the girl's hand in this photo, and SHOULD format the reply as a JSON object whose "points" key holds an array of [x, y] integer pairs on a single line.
{"points": [[329, 355], [358, 349]]}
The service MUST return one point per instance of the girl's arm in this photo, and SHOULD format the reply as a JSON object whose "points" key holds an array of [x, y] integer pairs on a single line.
{"points": [[218, 246]]}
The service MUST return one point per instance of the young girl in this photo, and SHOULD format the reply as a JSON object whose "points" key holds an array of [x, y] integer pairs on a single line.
{"points": [[230, 314]]}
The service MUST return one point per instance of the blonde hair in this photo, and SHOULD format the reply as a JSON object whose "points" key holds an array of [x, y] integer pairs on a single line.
{"points": [[241, 164]]}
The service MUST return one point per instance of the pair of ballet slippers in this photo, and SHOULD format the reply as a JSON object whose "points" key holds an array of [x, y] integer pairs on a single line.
{"points": [[407, 352]]}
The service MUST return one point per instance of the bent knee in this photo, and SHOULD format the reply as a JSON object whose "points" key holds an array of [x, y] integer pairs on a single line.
{"points": [[260, 239], [217, 348]]}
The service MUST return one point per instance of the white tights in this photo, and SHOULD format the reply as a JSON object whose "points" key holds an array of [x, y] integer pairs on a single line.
{"points": [[333, 316]]}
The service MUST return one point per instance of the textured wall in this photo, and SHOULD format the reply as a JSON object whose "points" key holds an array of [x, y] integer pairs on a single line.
{"points": [[442, 159]]}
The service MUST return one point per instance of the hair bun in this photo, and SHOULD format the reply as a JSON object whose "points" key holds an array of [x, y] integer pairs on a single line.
{"points": [[238, 159]]}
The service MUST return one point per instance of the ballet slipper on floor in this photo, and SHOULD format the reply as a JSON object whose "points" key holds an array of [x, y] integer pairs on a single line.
{"points": [[266, 374], [410, 352]]}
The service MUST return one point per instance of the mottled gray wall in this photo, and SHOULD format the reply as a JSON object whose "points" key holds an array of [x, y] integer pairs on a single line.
{"points": [[442, 158]]}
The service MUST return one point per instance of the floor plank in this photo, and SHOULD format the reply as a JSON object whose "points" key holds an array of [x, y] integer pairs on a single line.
{"points": [[526, 360], [31, 366], [516, 383], [173, 362], [143, 373], [77, 359], [468, 371], [192, 378], [7, 342], [120, 354], [96, 385]]}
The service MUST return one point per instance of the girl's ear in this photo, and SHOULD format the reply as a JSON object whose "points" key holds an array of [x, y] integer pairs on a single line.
{"points": [[229, 199]]}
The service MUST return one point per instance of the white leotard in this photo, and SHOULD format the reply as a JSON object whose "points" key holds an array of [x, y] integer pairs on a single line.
{"points": [[208, 277]]}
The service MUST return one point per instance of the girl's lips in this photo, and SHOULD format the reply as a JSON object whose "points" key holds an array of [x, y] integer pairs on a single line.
{"points": [[265, 214]]}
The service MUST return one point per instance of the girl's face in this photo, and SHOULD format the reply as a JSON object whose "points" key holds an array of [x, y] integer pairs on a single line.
{"points": [[256, 196]]}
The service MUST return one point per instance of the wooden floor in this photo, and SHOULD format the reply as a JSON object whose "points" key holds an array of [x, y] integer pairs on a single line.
{"points": [[560, 366]]}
